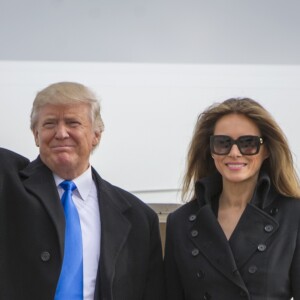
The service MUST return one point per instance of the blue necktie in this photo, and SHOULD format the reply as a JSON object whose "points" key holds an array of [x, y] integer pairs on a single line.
{"points": [[70, 283]]}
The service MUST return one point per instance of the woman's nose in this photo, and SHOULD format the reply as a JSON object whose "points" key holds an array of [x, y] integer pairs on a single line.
{"points": [[234, 151]]}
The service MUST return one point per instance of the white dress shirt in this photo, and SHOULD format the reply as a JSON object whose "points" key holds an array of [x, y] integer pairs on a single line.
{"points": [[85, 199]]}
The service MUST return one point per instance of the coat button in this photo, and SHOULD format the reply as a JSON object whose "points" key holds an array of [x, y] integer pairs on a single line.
{"points": [[273, 211], [206, 296], [195, 252], [45, 256], [194, 233], [192, 218], [269, 228], [200, 274], [261, 247], [252, 269], [243, 293]]}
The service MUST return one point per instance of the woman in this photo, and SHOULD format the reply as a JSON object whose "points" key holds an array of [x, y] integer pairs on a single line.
{"points": [[239, 237]]}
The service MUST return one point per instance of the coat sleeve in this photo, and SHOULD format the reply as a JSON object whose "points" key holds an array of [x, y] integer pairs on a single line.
{"points": [[173, 285], [295, 268], [154, 286]]}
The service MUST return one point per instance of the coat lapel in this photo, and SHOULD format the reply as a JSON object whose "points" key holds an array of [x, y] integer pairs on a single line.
{"points": [[115, 229], [209, 238], [39, 181], [252, 233]]}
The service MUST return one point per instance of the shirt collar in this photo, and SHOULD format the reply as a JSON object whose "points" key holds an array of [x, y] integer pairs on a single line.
{"points": [[83, 183]]}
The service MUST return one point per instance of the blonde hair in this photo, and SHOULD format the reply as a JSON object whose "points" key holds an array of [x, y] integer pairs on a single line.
{"points": [[67, 93], [279, 165]]}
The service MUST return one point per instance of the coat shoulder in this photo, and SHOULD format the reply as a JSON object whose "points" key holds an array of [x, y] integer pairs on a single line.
{"points": [[185, 214], [123, 198], [133, 200], [12, 159], [186, 209], [287, 206]]}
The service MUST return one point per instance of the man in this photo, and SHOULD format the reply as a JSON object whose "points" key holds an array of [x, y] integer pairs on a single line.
{"points": [[119, 241]]}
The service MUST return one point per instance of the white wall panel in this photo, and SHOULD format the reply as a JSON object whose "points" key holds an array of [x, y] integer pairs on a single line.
{"points": [[149, 112]]}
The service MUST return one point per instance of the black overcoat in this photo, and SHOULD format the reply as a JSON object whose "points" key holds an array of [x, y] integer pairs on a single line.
{"points": [[32, 237], [261, 261]]}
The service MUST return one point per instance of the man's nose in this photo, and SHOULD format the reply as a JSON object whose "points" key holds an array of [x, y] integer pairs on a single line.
{"points": [[61, 131]]}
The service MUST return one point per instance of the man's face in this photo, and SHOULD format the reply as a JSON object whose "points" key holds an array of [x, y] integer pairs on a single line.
{"points": [[65, 136]]}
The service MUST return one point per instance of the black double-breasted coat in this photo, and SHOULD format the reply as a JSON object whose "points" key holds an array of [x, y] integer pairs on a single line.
{"points": [[32, 237], [260, 261]]}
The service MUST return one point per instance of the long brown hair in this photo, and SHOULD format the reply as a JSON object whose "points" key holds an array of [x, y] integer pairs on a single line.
{"points": [[279, 165]]}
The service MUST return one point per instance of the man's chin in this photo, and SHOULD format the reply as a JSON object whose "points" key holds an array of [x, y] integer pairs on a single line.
{"points": [[60, 160]]}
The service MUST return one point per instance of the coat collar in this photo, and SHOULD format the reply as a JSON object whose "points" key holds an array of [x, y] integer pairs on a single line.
{"points": [[209, 187], [264, 193]]}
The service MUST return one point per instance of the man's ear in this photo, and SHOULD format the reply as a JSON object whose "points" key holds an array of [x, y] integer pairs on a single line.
{"points": [[96, 139], [36, 137]]}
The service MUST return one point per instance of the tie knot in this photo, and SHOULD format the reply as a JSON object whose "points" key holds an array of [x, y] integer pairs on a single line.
{"points": [[68, 185]]}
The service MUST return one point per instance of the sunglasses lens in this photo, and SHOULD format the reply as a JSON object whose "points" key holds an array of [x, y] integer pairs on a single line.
{"points": [[248, 145], [221, 144]]}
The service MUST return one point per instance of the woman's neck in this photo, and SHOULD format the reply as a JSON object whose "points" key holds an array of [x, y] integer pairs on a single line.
{"points": [[236, 194]]}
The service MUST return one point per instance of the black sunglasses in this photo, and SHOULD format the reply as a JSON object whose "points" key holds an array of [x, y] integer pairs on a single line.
{"points": [[247, 144]]}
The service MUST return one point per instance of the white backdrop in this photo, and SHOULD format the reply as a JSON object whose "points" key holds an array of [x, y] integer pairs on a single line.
{"points": [[149, 111]]}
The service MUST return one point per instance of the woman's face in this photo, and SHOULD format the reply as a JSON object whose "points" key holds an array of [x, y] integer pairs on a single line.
{"points": [[234, 166]]}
